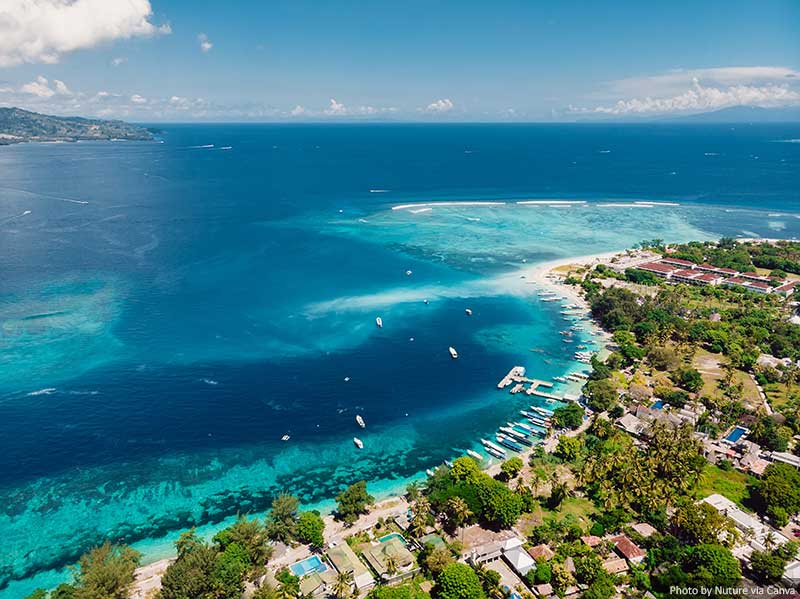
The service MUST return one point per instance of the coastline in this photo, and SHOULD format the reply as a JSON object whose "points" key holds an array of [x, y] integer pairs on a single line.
{"points": [[527, 280]]}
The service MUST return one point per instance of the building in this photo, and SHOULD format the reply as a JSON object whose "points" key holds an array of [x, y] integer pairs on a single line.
{"points": [[644, 529], [628, 549], [753, 530], [516, 556], [632, 425], [615, 565], [391, 560], [344, 560], [541, 553], [786, 289], [657, 268], [678, 262], [717, 270], [785, 458], [755, 286], [317, 584]]}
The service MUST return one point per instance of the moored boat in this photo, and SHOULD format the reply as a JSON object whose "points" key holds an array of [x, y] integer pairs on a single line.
{"points": [[474, 454], [360, 421], [453, 352], [379, 322], [358, 442]]}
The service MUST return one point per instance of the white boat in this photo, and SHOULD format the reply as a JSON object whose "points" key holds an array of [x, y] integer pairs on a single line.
{"points": [[408, 273], [474, 454], [358, 442], [285, 438], [429, 472], [453, 352], [426, 302], [360, 421], [379, 322], [491, 446], [468, 311]]}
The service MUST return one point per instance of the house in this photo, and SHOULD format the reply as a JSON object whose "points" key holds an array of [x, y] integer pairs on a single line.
{"points": [[543, 590], [517, 557], [785, 458], [615, 565], [344, 560], [487, 552], [786, 289], [628, 549], [541, 553], [317, 584], [644, 529], [756, 286], [391, 560], [754, 532], [632, 425], [592, 541], [791, 575]]}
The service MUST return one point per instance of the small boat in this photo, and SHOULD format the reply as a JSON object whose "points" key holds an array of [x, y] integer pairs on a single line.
{"points": [[453, 352], [379, 322], [503, 440], [358, 442], [408, 273], [492, 447], [360, 421], [499, 455], [426, 302], [429, 472], [542, 411], [474, 454], [285, 438], [448, 463], [347, 379], [468, 311]]}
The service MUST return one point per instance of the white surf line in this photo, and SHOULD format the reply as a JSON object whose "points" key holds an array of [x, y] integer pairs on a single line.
{"points": [[435, 204], [16, 216], [658, 203], [621, 205], [420, 210], [550, 202]]}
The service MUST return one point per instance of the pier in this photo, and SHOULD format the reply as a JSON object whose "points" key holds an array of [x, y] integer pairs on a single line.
{"points": [[545, 395], [515, 375]]}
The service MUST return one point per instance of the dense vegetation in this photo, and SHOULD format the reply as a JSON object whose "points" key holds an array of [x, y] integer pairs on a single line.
{"points": [[19, 125]]}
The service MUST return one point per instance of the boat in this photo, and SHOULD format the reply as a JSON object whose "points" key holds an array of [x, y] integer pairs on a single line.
{"points": [[560, 379], [360, 421], [358, 442], [503, 440], [516, 436], [408, 273], [474, 454], [426, 302], [453, 352], [468, 311], [499, 455], [429, 472], [448, 463], [489, 445], [379, 322], [285, 438]]}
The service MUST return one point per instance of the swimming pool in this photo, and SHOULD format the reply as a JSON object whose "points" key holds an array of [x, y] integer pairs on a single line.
{"points": [[307, 566], [658, 405], [736, 434], [394, 535]]}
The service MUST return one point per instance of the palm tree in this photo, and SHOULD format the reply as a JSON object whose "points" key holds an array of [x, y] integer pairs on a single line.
{"points": [[391, 565], [285, 592], [458, 512], [342, 587]]}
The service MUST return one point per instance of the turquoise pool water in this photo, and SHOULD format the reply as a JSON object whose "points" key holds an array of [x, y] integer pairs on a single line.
{"points": [[307, 566], [736, 434]]}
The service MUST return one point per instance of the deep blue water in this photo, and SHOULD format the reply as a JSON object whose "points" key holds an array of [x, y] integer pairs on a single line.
{"points": [[168, 311]]}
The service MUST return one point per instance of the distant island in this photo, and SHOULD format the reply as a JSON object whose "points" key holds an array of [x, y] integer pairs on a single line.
{"points": [[17, 126]]}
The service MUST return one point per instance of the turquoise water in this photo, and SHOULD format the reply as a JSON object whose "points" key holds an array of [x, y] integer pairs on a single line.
{"points": [[394, 535], [308, 565], [168, 313]]}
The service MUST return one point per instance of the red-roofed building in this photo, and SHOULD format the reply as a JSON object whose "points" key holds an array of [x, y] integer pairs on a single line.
{"points": [[754, 276], [728, 272], [628, 549], [787, 288], [662, 270], [708, 278], [756, 286], [678, 262], [684, 275]]}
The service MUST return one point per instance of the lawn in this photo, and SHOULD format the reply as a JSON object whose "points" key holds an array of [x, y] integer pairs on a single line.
{"points": [[778, 396], [730, 483], [711, 368]]}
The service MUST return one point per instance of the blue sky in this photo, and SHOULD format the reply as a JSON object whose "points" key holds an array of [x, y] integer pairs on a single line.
{"points": [[415, 60]]}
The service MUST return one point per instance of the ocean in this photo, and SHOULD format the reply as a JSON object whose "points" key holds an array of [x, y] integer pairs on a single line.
{"points": [[171, 309]]}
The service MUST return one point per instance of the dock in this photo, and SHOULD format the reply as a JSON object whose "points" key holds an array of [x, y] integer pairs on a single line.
{"points": [[545, 395], [515, 375]]}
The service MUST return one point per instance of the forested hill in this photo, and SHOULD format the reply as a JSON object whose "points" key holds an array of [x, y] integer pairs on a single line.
{"points": [[17, 125]]}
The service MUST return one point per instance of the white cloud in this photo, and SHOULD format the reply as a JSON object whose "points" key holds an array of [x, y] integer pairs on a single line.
{"points": [[137, 99], [678, 80], [443, 105], [205, 44], [298, 111], [42, 30], [701, 98], [61, 87], [118, 61], [336, 109], [40, 88]]}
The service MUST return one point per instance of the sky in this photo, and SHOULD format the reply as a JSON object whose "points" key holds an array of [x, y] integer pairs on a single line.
{"points": [[417, 60]]}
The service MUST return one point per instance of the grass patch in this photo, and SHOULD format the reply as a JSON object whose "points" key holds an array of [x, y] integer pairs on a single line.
{"points": [[729, 483], [581, 508], [780, 397]]}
